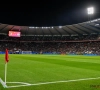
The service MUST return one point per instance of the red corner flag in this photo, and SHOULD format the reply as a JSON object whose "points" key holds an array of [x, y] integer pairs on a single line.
{"points": [[6, 56]]}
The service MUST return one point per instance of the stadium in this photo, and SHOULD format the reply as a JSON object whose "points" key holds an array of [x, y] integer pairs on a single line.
{"points": [[57, 57]]}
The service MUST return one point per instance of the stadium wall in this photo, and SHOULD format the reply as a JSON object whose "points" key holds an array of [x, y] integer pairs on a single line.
{"points": [[50, 53]]}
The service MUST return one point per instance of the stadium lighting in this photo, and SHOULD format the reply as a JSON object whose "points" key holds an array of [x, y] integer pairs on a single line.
{"points": [[31, 27], [60, 26], [96, 24], [90, 10]]}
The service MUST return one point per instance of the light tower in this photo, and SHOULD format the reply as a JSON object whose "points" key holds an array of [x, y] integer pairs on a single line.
{"points": [[90, 12]]}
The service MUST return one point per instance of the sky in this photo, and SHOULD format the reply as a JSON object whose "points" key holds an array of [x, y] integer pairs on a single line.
{"points": [[48, 13]]}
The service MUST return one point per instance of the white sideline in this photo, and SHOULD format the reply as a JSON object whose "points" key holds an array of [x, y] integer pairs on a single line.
{"points": [[54, 82], [3, 83]]}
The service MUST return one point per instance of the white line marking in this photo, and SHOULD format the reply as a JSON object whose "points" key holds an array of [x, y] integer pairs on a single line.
{"points": [[3, 83], [19, 83], [55, 82], [19, 86]]}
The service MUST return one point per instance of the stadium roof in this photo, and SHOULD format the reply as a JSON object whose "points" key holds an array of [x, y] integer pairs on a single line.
{"points": [[85, 28]]}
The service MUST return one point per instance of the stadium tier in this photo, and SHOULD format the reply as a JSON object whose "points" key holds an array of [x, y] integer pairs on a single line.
{"points": [[85, 28]]}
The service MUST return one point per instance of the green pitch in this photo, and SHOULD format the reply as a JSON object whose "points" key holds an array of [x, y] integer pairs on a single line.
{"points": [[51, 68]]}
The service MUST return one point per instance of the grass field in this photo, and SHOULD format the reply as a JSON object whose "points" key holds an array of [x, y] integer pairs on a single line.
{"points": [[35, 69]]}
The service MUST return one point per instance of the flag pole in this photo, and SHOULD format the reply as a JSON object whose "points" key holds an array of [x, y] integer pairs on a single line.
{"points": [[5, 72]]}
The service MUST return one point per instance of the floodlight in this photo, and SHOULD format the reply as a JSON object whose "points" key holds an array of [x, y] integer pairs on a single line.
{"points": [[96, 24], [60, 26], [90, 10]]}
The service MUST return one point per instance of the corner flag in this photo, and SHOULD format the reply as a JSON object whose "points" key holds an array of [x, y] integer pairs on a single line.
{"points": [[6, 56], [6, 60]]}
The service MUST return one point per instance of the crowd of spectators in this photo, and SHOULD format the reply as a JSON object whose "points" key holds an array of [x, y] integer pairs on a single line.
{"points": [[49, 45], [53, 47]]}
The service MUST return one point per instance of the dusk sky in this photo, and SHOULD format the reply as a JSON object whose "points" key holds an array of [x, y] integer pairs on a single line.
{"points": [[48, 13]]}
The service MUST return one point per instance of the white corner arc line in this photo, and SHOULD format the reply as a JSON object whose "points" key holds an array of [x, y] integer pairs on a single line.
{"points": [[3, 83], [55, 82]]}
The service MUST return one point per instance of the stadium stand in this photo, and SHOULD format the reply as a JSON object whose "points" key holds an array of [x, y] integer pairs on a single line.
{"points": [[81, 39]]}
